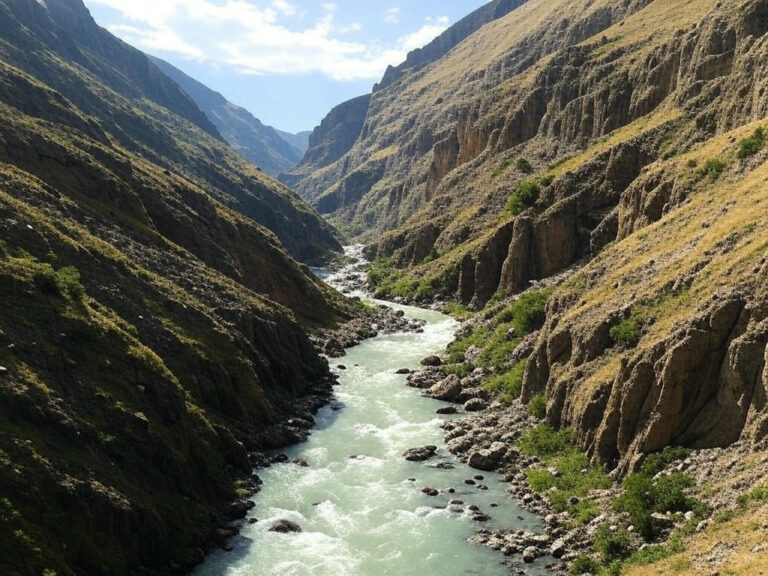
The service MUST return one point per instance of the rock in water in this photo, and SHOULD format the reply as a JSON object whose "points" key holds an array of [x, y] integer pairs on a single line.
{"points": [[529, 554], [285, 527], [448, 389], [420, 454], [432, 361], [558, 548], [489, 459]]}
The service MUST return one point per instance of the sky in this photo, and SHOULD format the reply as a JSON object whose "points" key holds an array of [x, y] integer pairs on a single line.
{"points": [[287, 61]]}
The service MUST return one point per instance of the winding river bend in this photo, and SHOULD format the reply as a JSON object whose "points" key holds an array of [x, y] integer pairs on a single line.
{"points": [[361, 510]]}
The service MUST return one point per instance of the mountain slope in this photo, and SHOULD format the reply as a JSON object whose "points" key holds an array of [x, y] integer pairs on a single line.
{"points": [[135, 102], [300, 140], [152, 335], [627, 138], [259, 144], [341, 128]]}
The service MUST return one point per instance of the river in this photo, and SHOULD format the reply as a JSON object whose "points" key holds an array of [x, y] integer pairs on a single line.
{"points": [[359, 502]]}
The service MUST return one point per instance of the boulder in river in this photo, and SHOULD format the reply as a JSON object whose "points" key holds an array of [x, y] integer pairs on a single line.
{"points": [[447, 389], [446, 410], [558, 548], [285, 527], [530, 554], [420, 454], [432, 361], [488, 459]]}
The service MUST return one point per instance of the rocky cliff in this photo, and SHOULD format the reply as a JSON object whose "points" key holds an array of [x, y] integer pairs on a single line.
{"points": [[330, 141], [139, 97], [153, 333], [343, 125], [261, 145], [622, 138], [446, 41]]}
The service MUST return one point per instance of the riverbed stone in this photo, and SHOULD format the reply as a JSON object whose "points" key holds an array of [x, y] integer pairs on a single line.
{"points": [[285, 527], [475, 405], [420, 454], [432, 361], [488, 459], [447, 389], [558, 548], [530, 554]]}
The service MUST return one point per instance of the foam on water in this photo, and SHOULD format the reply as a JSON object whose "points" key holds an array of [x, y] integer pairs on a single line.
{"points": [[360, 512]]}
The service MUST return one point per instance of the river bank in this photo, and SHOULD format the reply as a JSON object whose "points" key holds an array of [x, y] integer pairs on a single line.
{"points": [[445, 506]]}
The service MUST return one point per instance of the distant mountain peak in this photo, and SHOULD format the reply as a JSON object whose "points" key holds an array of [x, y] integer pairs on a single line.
{"points": [[262, 145]]}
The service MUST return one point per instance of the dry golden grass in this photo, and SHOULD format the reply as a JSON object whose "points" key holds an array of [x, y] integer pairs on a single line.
{"points": [[737, 547]]}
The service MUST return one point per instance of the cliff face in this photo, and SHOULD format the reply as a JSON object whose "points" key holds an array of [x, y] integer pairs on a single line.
{"points": [[330, 141], [151, 333], [261, 145], [621, 137], [139, 98], [446, 41], [343, 125]]}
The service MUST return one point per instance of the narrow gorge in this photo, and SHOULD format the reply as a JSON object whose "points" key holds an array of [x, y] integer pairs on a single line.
{"points": [[546, 352]]}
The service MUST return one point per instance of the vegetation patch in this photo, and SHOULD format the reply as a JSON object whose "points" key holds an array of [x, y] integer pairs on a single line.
{"points": [[524, 196], [713, 168], [523, 166], [626, 334], [507, 386], [752, 144], [537, 407], [575, 477]]}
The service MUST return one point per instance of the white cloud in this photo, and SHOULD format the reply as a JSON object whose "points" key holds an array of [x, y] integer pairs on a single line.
{"points": [[424, 35], [257, 40], [392, 16]]}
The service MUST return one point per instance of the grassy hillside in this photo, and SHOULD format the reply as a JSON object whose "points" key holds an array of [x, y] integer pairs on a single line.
{"points": [[611, 159], [153, 330]]}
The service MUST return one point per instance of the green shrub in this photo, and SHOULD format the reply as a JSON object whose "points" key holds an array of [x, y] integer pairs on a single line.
{"points": [[670, 493], [584, 565], [68, 283], [379, 270], [753, 144], [508, 385], [524, 196], [431, 257], [500, 169], [713, 168], [44, 277], [543, 441], [461, 370], [637, 501], [523, 166], [527, 314], [642, 496], [656, 462], [547, 180], [456, 310], [612, 545], [537, 407], [626, 333], [757, 494]]}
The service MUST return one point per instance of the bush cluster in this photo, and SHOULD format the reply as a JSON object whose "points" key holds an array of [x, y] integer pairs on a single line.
{"points": [[524, 196], [752, 144]]}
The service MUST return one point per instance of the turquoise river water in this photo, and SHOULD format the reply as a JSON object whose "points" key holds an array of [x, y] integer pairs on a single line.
{"points": [[360, 510]]}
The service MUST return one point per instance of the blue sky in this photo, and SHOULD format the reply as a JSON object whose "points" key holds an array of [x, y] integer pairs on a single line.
{"points": [[287, 61]]}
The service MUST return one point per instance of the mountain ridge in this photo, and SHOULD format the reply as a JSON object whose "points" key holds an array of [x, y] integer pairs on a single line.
{"points": [[155, 339], [262, 145]]}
